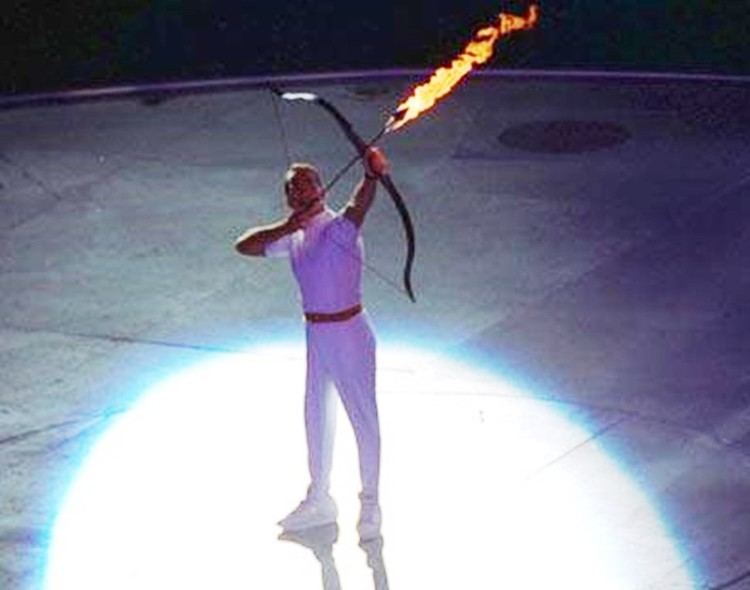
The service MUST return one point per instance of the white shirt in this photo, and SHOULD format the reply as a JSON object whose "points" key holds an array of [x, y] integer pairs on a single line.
{"points": [[326, 259]]}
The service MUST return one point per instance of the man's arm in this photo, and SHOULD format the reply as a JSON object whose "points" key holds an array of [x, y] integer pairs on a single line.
{"points": [[254, 241], [358, 206], [375, 164]]}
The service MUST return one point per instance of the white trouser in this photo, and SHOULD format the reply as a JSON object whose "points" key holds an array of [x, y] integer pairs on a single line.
{"points": [[341, 354]]}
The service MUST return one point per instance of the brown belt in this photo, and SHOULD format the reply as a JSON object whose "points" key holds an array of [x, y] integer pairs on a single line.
{"points": [[338, 316]]}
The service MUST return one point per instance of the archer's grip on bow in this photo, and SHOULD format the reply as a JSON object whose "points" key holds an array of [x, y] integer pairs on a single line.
{"points": [[375, 162]]}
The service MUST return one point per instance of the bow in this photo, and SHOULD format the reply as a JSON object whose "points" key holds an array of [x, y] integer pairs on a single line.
{"points": [[361, 146]]}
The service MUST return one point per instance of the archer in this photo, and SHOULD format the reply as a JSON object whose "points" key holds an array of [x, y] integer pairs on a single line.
{"points": [[326, 253]]}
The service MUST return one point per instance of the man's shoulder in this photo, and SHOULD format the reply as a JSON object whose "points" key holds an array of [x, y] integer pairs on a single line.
{"points": [[341, 224]]}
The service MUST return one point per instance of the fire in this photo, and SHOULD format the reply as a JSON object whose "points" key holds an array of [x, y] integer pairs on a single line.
{"points": [[478, 51]]}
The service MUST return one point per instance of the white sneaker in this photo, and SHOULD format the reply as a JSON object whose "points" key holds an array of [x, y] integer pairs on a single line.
{"points": [[311, 512], [370, 519]]}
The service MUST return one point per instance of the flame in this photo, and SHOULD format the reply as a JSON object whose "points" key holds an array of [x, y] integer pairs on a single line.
{"points": [[444, 79]]}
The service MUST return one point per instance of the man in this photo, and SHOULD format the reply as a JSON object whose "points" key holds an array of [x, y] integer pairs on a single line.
{"points": [[326, 251]]}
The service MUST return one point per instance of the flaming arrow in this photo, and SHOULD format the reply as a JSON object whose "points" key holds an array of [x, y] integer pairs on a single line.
{"points": [[421, 99]]}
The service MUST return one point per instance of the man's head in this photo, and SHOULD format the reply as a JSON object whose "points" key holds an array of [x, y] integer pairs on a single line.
{"points": [[302, 186]]}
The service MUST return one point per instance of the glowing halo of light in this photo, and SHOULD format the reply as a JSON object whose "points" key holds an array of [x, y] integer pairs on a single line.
{"points": [[184, 489]]}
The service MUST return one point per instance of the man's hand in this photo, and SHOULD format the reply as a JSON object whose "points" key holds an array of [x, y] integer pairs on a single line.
{"points": [[254, 241], [375, 162]]}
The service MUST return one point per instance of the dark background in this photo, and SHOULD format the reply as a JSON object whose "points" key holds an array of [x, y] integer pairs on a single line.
{"points": [[61, 44]]}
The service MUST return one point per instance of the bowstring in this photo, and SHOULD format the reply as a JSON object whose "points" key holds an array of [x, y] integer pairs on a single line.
{"points": [[345, 247], [345, 168]]}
